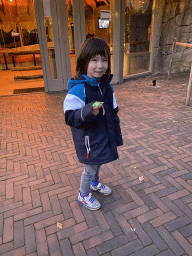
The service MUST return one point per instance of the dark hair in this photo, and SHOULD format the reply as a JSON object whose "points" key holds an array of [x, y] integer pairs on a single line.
{"points": [[88, 49]]}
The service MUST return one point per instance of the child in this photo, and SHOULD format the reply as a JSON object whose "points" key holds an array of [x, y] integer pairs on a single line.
{"points": [[91, 111]]}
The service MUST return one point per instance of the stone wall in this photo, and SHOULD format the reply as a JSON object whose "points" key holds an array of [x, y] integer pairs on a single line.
{"points": [[176, 24]]}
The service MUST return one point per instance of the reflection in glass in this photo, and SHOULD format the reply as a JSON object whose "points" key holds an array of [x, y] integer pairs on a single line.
{"points": [[17, 24], [137, 40], [18, 33], [71, 35]]}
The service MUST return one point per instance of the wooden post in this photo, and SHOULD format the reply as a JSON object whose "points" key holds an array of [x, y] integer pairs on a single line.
{"points": [[190, 78], [189, 88]]}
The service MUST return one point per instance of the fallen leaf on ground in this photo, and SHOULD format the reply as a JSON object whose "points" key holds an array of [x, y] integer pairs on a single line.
{"points": [[59, 225], [141, 178]]}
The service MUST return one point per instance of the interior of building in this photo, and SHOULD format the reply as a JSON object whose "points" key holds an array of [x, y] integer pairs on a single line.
{"points": [[20, 59]]}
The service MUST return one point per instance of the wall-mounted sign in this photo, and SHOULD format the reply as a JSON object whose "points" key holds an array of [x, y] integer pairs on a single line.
{"points": [[106, 15]]}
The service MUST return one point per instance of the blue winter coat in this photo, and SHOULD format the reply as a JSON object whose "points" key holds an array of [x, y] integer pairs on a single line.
{"points": [[95, 137]]}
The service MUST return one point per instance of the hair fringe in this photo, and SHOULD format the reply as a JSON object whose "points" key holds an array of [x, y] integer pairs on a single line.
{"points": [[88, 49]]}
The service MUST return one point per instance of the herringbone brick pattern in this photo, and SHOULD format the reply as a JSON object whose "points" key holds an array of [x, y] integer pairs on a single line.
{"points": [[40, 175]]}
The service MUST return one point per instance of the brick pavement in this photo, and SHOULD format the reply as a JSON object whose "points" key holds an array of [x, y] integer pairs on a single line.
{"points": [[40, 174]]}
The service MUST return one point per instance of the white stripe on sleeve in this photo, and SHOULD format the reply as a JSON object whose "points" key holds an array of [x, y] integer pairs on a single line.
{"points": [[72, 102]]}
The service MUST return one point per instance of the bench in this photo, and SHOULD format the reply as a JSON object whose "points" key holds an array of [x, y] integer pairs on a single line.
{"points": [[26, 68], [35, 67], [24, 52]]}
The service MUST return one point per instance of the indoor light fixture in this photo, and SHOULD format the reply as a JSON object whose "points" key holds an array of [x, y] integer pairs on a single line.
{"points": [[138, 6]]}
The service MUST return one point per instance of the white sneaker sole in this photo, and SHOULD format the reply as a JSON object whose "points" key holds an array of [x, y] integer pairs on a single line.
{"points": [[105, 194], [93, 209]]}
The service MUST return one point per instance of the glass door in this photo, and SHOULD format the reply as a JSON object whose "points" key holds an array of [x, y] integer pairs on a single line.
{"points": [[52, 28]]}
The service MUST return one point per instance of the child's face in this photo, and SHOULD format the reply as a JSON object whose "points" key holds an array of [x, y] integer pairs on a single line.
{"points": [[97, 66]]}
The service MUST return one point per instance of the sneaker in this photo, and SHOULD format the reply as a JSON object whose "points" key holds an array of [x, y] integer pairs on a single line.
{"points": [[101, 189], [89, 201]]}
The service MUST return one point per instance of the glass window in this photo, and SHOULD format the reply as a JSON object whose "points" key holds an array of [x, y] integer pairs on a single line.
{"points": [[18, 34], [18, 24]]}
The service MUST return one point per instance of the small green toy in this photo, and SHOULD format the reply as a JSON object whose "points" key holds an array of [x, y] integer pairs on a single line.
{"points": [[97, 104]]}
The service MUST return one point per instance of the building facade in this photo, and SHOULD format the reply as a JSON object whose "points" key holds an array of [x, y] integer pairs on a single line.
{"points": [[139, 33]]}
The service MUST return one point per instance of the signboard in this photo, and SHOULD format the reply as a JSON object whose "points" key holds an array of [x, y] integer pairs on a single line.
{"points": [[106, 15]]}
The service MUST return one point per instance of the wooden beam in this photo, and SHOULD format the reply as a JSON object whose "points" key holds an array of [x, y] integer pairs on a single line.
{"points": [[91, 3], [88, 7], [184, 44], [106, 1]]}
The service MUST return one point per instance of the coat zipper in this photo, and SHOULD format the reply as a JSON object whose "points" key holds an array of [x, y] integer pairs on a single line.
{"points": [[100, 91], [87, 146], [102, 98]]}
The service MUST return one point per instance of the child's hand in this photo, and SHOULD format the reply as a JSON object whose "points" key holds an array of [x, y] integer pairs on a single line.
{"points": [[96, 106]]}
